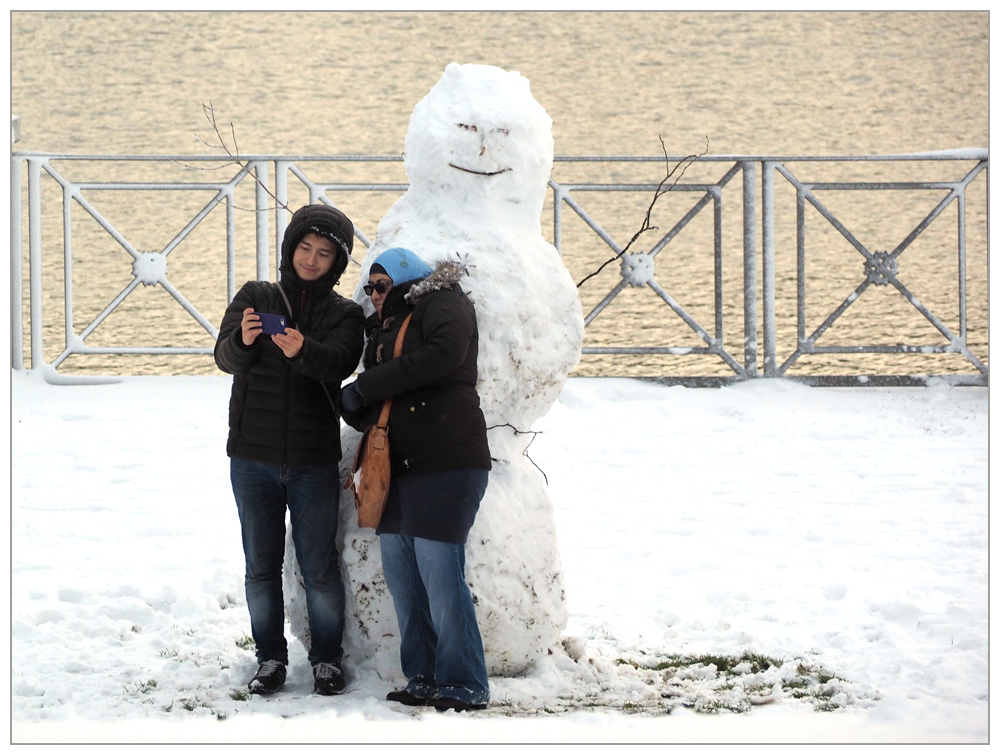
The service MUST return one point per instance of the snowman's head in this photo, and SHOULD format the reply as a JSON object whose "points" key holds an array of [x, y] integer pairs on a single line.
{"points": [[480, 136]]}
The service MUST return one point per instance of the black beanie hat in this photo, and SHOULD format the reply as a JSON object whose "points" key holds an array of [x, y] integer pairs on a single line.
{"points": [[325, 221]]}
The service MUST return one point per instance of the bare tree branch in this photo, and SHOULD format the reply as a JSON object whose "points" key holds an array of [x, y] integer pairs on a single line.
{"points": [[682, 166], [533, 434], [233, 154]]}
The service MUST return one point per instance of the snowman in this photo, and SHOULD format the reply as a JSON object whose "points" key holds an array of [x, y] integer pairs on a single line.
{"points": [[478, 156]]}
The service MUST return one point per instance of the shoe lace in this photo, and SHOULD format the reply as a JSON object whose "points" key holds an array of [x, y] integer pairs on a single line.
{"points": [[324, 670], [268, 668]]}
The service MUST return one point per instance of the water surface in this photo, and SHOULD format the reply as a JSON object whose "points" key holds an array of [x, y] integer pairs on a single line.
{"points": [[345, 83]]}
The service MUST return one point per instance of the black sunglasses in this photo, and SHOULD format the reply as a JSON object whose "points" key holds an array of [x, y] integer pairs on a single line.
{"points": [[381, 286]]}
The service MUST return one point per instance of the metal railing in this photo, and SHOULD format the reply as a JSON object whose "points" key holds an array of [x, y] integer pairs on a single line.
{"points": [[638, 268], [880, 268]]}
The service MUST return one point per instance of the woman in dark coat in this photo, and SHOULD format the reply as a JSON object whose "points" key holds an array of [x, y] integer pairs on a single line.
{"points": [[440, 463], [284, 437]]}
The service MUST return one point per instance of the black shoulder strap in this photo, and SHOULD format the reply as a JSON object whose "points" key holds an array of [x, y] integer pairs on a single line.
{"points": [[288, 305]]}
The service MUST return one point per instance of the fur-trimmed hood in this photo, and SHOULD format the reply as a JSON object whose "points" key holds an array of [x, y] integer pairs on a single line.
{"points": [[445, 275]]}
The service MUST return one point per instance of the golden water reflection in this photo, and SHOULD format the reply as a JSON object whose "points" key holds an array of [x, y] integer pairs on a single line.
{"points": [[753, 83]]}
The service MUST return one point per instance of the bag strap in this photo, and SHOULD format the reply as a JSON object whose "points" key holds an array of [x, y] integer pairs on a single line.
{"points": [[326, 390], [383, 418], [284, 296]]}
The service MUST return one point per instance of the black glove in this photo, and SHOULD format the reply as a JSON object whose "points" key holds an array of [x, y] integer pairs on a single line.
{"points": [[351, 397]]}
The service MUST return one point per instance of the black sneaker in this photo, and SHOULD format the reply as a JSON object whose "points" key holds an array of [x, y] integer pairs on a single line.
{"points": [[406, 698], [270, 678], [449, 703], [329, 679]]}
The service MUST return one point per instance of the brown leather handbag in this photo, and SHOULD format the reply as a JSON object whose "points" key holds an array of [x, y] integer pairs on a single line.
{"points": [[372, 471]]}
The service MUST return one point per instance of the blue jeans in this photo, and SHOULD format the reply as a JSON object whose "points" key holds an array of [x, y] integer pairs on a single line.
{"points": [[312, 496], [441, 651]]}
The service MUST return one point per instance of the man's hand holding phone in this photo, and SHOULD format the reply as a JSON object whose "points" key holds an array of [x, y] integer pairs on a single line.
{"points": [[255, 324], [290, 342], [250, 326]]}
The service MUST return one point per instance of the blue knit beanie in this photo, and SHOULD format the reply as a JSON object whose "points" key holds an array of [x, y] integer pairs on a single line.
{"points": [[401, 265]]}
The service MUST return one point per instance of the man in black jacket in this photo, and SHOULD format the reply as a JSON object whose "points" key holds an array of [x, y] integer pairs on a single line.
{"points": [[284, 437]]}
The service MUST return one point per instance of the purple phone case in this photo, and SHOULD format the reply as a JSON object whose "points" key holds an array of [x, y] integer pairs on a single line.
{"points": [[271, 324]]}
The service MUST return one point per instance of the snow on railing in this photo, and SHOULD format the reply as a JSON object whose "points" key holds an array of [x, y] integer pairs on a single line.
{"points": [[637, 269]]}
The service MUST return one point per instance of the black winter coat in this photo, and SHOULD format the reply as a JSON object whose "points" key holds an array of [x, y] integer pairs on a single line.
{"points": [[435, 423], [278, 411]]}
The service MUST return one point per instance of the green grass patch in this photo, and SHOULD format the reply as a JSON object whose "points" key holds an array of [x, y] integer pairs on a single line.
{"points": [[723, 663], [731, 689], [140, 687]]}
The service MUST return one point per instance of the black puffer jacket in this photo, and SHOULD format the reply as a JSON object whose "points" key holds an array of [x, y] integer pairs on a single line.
{"points": [[278, 411], [435, 423]]}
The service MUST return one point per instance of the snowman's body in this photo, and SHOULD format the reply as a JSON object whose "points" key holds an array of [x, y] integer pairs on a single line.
{"points": [[478, 156]]}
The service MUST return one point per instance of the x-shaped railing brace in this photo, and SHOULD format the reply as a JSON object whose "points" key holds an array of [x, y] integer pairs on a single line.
{"points": [[148, 268], [881, 268], [637, 269]]}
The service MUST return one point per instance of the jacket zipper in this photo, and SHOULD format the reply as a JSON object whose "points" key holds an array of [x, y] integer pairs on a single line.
{"points": [[288, 412], [288, 391]]}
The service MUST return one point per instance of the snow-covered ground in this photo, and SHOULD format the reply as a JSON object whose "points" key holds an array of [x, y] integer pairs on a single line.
{"points": [[841, 531]]}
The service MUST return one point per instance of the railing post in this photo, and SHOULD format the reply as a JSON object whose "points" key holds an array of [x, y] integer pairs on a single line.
{"points": [[767, 266], [556, 216], [230, 246], [262, 209], [16, 304], [35, 260], [280, 214], [800, 266], [68, 263], [750, 268], [717, 233], [962, 310]]}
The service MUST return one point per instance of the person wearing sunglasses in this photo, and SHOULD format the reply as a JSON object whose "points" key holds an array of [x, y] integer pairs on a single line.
{"points": [[440, 469]]}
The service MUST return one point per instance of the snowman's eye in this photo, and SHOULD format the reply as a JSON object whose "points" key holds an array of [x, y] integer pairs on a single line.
{"points": [[467, 127]]}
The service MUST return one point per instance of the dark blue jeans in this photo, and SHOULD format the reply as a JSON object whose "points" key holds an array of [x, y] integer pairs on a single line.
{"points": [[441, 650], [311, 495]]}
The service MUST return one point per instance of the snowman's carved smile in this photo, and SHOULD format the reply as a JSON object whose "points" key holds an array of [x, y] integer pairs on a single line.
{"points": [[479, 172]]}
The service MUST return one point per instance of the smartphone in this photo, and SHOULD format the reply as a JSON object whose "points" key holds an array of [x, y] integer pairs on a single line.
{"points": [[271, 324]]}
